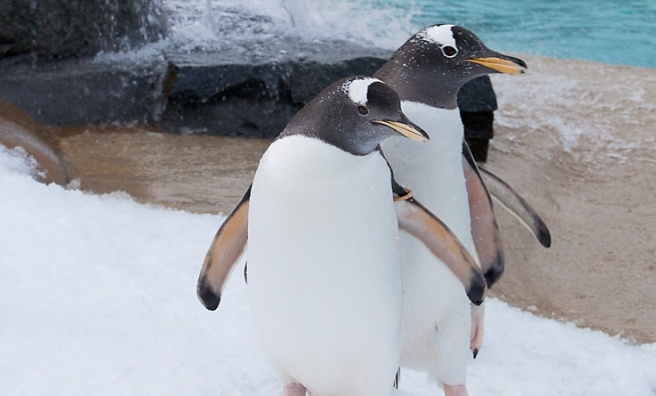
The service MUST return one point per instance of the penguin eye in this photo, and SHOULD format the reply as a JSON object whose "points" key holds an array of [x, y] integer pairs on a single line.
{"points": [[363, 110], [449, 51]]}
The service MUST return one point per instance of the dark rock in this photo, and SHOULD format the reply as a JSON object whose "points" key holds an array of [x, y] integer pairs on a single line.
{"points": [[79, 92], [311, 77], [255, 88], [242, 117], [75, 28], [479, 129], [477, 103], [477, 95], [240, 88], [247, 89], [478, 124]]}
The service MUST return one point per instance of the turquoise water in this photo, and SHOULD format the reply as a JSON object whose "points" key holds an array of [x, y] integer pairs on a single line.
{"points": [[616, 32]]}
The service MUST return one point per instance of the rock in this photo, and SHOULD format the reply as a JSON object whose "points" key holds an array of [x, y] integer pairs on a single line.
{"points": [[248, 89], [83, 91], [239, 88], [477, 102], [253, 89], [75, 28], [477, 96]]}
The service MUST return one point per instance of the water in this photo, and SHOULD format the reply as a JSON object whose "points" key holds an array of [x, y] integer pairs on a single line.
{"points": [[608, 31], [616, 32], [210, 24]]}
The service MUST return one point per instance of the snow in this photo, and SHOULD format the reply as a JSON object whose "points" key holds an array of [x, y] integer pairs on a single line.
{"points": [[97, 296]]}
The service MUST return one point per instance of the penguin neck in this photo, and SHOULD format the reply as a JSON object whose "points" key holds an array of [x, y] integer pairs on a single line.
{"points": [[311, 158], [433, 170], [415, 165], [443, 126], [415, 83]]}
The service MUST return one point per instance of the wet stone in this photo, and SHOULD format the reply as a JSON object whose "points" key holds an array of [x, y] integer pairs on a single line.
{"points": [[244, 93], [247, 89], [82, 91], [74, 28]]}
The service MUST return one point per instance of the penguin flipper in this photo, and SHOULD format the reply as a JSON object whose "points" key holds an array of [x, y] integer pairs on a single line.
{"points": [[517, 206], [486, 235], [419, 222], [227, 247]]}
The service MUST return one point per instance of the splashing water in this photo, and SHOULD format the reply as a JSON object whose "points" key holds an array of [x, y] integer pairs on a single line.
{"points": [[210, 24], [609, 32]]}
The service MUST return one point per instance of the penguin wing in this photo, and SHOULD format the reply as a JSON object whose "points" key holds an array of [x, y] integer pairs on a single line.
{"points": [[486, 235], [419, 222], [227, 247], [504, 195]]}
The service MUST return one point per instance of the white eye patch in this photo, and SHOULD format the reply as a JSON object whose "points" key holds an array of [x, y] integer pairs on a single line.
{"points": [[440, 35], [357, 89]]}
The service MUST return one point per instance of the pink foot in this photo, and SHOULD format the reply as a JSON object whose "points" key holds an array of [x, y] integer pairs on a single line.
{"points": [[293, 389], [477, 328], [456, 390]]}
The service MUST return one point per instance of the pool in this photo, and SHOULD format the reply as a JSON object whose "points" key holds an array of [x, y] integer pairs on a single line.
{"points": [[616, 32]]}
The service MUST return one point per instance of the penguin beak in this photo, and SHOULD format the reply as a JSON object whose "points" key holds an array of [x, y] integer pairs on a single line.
{"points": [[405, 128], [507, 64]]}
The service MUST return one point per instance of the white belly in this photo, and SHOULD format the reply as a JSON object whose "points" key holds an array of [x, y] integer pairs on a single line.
{"points": [[436, 314], [324, 273], [433, 170]]}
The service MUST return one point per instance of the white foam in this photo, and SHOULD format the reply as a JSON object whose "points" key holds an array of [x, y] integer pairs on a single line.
{"points": [[212, 24], [441, 35], [357, 89]]}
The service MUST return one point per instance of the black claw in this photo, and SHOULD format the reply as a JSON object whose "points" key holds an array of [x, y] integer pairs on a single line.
{"points": [[246, 273], [475, 352]]}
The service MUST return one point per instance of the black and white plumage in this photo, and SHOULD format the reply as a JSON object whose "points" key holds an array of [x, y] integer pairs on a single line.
{"points": [[427, 72]]}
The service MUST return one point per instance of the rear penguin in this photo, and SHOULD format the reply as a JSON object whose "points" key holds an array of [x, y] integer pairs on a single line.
{"points": [[440, 328]]}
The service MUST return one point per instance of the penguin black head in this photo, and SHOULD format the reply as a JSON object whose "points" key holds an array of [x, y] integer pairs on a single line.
{"points": [[354, 114], [438, 60]]}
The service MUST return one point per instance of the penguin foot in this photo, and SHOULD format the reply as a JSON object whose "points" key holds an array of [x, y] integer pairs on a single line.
{"points": [[456, 390], [293, 389], [477, 328]]}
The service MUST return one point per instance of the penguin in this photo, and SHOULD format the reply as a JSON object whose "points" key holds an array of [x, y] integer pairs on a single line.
{"points": [[321, 221], [439, 328]]}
